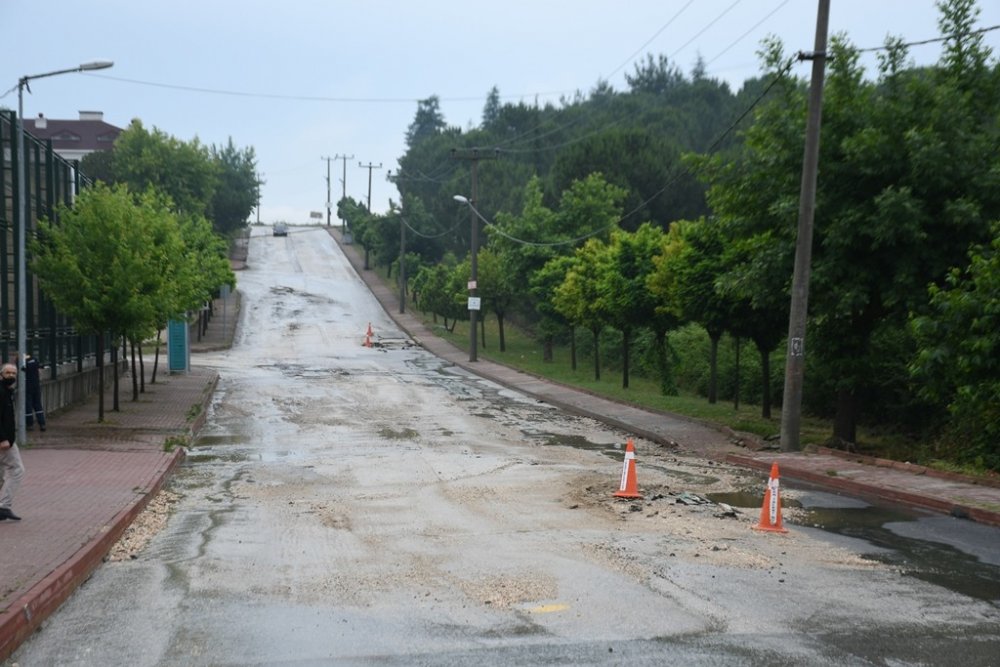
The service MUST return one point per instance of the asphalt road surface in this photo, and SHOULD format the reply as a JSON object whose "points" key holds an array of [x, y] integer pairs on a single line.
{"points": [[372, 505]]}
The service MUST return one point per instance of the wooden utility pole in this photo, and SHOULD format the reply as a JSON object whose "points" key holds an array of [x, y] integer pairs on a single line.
{"points": [[328, 161], [402, 264], [369, 167], [343, 184], [474, 155], [791, 405]]}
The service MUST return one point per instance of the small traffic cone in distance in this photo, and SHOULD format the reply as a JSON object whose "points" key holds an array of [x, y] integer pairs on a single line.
{"points": [[770, 511], [629, 487], [368, 336]]}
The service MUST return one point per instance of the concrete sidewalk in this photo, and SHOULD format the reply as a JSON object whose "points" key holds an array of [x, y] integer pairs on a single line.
{"points": [[886, 481]]}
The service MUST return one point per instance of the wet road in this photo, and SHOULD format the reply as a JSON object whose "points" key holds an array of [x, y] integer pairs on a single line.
{"points": [[361, 505]]}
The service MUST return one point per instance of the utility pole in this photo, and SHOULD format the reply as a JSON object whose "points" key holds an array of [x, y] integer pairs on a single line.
{"points": [[328, 160], [343, 183], [369, 167], [791, 406], [474, 156], [402, 264]]}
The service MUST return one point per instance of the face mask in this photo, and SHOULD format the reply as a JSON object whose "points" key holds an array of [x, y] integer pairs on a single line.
{"points": [[9, 381]]}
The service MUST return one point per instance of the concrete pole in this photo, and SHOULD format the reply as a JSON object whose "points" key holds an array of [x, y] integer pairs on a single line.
{"points": [[791, 407]]}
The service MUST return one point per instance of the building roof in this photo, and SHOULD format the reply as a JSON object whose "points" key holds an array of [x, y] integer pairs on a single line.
{"points": [[87, 134]]}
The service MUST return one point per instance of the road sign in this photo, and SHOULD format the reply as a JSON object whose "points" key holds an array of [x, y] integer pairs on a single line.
{"points": [[474, 302]]}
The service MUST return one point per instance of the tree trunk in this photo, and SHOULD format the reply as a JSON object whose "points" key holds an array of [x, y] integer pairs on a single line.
{"points": [[572, 347], [115, 407], [135, 376], [100, 378], [547, 348], [597, 353], [503, 342], [736, 392], [156, 356], [765, 397], [713, 368], [845, 424], [482, 331], [142, 371], [664, 360], [626, 336]]}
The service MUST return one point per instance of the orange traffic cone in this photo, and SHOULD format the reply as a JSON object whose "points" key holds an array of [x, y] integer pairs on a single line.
{"points": [[629, 486], [770, 511], [368, 336]]}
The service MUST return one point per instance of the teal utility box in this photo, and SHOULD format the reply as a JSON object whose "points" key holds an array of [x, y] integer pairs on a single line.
{"points": [[178, 346]]}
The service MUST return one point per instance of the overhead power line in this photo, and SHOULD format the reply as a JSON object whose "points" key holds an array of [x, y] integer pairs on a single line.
{"points": [[319, 98]]}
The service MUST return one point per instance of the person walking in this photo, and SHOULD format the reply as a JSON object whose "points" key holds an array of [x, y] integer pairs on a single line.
{"points": [[33, 393], [11, 468]]}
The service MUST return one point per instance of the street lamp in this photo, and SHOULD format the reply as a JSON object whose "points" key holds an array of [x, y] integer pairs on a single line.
{"points": [[22, 204], [474, 263]]}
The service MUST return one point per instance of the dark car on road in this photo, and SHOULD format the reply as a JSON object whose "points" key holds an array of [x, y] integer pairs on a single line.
{"points": [[280, 229]]}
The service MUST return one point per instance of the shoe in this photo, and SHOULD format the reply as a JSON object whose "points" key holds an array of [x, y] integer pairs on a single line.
{"points": [[42, 428], [5, 513]]}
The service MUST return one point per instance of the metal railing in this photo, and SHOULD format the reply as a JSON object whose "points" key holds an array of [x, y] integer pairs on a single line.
{"points": [[49, 181]]}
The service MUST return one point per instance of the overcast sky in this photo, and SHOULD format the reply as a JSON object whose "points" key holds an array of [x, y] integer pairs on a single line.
{"points": [[301, 81]]}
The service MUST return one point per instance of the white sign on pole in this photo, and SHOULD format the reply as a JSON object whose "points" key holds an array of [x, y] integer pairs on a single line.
{"points": [[474, 303], [472, 284]]}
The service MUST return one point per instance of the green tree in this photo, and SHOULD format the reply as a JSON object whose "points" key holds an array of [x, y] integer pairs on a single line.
{"points": [[525, 242], [683, 283], [958, 364], [498, 285], [433, 287], [428, 122], [550, 321], [98, 166], [98, 265], [908, 179], [238, 187], [184, 171], [491, 110], [578, 297], [358, 220], [625, 298]]}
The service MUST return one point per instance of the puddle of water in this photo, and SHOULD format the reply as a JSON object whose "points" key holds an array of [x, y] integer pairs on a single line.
{"points": [[577, 442], [403, 434], [935, 562], [229, 457], [209, 440]]}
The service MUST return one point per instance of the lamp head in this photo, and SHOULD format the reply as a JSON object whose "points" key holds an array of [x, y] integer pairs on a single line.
{"points": [[461, 199], [96, 64]]}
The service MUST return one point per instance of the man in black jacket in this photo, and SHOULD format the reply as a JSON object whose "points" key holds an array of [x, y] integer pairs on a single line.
{"points": [[11, 468], [33, 393]]}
